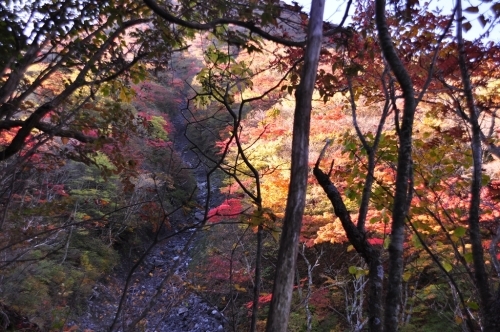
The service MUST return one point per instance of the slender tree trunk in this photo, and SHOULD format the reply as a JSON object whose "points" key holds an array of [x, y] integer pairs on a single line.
{"points": [[403, 176], [363, 247], [489, 313], [310, 268], [257, 282], [376, 280], [287, 255]]}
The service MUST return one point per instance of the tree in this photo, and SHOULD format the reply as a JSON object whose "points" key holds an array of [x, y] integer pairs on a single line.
{"points": [[61, 59], [289, 241], [410, 170], [489, 303], [69, 69], [403, 204], [280, 304], [402, 195]]}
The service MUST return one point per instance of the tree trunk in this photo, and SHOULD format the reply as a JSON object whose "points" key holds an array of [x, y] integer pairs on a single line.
{"points": [[403, 176], [363, 247], [489, 312], [257, 282], [287, 255]]}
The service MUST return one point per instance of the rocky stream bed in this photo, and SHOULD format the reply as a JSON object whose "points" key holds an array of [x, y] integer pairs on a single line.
{"points": [[159, 289]]}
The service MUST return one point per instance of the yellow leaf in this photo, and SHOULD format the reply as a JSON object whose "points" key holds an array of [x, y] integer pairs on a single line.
{"points": [[239, 288], [329, 281], [276, 235]]}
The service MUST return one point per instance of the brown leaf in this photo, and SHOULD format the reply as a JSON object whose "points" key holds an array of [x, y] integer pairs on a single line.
{"points": [[483, 20], [496, 9], [467, 26], [472, 9]]}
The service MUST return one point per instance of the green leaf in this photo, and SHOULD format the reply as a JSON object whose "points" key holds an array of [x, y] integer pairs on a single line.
{"points": [[387, 241], [447, 266], [485, 179], [105, 90], [353, 269], [406, 276], [351, 194], [351, 146], [416, 241], [459, 231], [468, 257], [473, 305]]}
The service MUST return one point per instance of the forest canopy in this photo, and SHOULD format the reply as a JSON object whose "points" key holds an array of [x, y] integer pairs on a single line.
{"points": [[319, 175]]}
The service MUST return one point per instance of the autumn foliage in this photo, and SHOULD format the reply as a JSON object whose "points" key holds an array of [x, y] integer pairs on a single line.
{"points": [[93, 107]]}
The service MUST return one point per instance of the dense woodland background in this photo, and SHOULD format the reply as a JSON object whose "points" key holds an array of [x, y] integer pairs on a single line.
{"points": [[156, 158]]}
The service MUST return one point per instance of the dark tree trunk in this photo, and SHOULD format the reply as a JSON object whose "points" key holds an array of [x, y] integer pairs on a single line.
{"points": [[287, 255], [489, 311], [257, 282], [403, 176], [363, 247]]}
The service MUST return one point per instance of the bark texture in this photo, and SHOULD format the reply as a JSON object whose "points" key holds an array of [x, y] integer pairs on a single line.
{"points": [[358, 239], [287, 255], [489, 311], [403, 176]]}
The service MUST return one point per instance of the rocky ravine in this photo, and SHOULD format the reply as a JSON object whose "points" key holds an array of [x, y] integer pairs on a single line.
{"points": [[162, 276]]}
